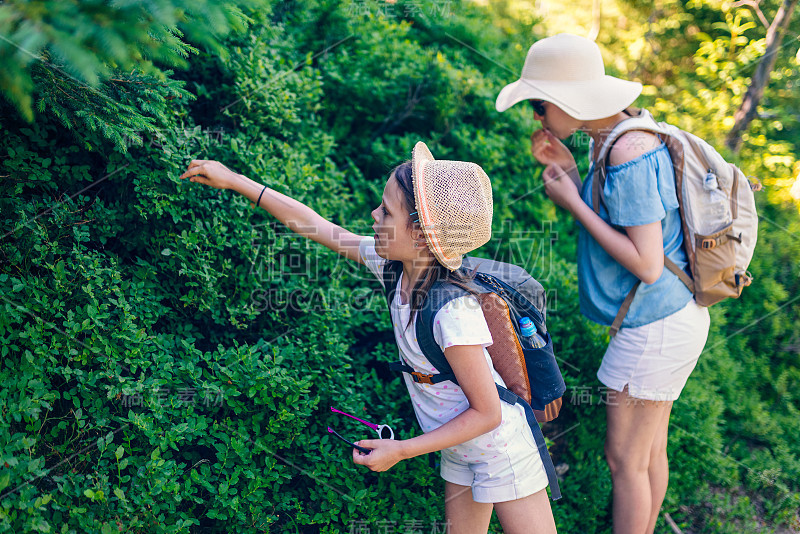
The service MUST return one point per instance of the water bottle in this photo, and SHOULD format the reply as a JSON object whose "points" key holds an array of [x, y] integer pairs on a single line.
{"points": [[530, 337], [716, 207]]}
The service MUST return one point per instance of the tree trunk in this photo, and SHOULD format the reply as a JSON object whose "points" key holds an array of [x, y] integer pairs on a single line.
{"points": [[760, 79]]}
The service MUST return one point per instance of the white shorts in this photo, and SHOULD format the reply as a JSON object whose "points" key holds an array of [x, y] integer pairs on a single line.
{"points": [[501, 465], [655, 360]]}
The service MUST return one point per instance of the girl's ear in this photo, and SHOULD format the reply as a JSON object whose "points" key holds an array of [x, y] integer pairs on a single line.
{"points": [[419, 238]]}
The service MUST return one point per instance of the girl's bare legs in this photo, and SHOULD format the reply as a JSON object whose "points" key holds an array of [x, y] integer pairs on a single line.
{"points": [[634, 428], [464, 515], [659, 469], [529, 515]]}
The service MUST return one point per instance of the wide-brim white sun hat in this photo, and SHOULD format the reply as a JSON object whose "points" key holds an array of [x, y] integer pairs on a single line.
{"points": [[568, 71], [454, 203]]}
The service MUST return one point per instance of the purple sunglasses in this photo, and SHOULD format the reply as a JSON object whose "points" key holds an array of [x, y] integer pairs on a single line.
{"points": [[384, 431]]}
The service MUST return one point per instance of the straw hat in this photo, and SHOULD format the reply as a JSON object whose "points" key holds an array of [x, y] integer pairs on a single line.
{"points": [[568, 71], [454, 203]]}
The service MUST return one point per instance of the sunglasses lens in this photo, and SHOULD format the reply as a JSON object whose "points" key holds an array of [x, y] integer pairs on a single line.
{"points": [[538, 106], [385, 432]]}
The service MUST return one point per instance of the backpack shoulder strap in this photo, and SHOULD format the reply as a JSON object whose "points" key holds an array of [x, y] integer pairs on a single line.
{"points": [[644, 122], [440, 294]]}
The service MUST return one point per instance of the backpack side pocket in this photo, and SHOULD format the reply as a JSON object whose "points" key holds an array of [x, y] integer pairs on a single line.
{"points": [[546, 382], [714, 266]]}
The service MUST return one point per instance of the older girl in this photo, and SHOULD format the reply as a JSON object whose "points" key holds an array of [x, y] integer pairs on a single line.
{"points": [[649, 361]]}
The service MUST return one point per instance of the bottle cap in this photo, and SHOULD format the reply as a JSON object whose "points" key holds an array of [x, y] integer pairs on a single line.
{"points": [[526, 327], [710, 181]]}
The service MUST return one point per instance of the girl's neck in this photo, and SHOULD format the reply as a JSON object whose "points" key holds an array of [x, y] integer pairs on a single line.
{"points": [[413, 272]]}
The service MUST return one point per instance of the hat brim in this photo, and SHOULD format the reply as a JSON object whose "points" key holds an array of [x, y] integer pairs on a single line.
{"points": [[585, 100], [419, 157]]}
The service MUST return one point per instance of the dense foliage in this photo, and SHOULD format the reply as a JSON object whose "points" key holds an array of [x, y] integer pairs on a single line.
{"points": [[169, 355]]}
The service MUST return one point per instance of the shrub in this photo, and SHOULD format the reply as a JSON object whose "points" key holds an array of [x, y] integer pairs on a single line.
{"points": [[169, 355]]}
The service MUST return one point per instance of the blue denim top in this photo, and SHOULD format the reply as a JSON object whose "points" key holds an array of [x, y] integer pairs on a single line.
{"points": [[637, 192]]}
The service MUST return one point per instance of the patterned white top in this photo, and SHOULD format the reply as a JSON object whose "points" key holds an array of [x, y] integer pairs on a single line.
{"points": [[459, 322]]}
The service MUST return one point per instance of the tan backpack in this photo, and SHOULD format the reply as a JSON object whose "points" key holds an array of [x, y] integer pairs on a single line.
{"points": [[717, 209]]}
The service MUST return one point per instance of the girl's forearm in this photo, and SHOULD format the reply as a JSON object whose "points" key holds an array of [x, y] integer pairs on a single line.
{"points": [[466, 426], [295, 215], [299, 218], [646, 267]]}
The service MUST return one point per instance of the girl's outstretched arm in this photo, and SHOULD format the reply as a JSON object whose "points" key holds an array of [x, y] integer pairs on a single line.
{"points": [[483, 415], [640, 249], [297, 216]]}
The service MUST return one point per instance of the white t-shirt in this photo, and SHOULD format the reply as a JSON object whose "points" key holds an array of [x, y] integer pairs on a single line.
{"points": [[459, 322]]}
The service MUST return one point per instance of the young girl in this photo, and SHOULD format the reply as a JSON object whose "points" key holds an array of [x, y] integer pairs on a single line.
{"points": [[649, 361], [431, 214]]}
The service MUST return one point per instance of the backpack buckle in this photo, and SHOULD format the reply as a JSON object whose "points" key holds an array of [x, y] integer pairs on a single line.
{"points": [[708, 243], [744, 279], [420, 378]]}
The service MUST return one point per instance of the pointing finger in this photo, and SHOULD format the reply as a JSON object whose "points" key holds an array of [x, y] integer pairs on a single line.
{"points": [[196, 162], [193, 171]]}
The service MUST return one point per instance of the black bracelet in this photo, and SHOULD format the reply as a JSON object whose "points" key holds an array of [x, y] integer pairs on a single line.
{"points": [[259, 196]]}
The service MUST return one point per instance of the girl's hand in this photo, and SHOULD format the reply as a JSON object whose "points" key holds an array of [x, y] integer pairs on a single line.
{"points": [[211, 173], [560, 187], [385, 453], [548, 149]]}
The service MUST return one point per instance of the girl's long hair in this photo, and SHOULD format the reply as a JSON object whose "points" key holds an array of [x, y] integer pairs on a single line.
{"points": [[436, 271]]}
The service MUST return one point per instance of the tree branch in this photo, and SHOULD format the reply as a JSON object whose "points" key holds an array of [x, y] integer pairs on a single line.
{"points": [[755, 5], [747, 110]]}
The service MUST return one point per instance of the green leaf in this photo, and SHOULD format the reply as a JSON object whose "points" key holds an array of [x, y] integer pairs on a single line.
{"points": [[120, 451]]}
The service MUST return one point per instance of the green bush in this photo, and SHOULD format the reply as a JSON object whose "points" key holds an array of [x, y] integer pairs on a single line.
{"points": [[169, 355]]}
